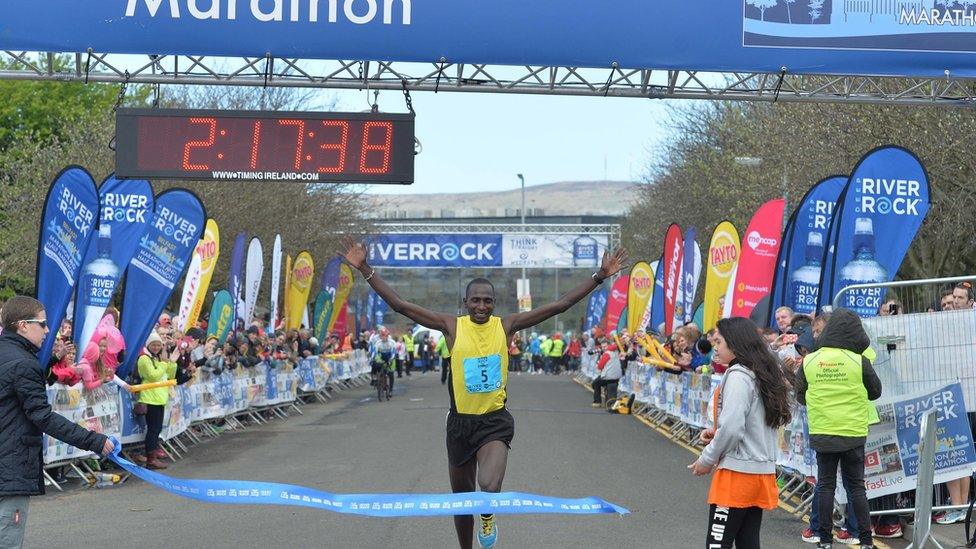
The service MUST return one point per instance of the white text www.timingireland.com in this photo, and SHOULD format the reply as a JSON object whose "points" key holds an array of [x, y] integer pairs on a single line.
{"points": [[266, 176]]}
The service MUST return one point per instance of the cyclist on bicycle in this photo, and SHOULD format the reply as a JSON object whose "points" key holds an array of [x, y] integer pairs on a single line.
{"points": [[383, 358]]}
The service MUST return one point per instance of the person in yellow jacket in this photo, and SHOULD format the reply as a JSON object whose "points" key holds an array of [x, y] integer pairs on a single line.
{"points": [[557, 350], [479, 427], [152, 368]]}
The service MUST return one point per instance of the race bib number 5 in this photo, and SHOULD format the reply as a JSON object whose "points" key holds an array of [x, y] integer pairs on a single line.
{"points": [[483, 374]]}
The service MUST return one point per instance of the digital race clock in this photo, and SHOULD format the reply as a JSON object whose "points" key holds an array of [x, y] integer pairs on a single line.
{"points": [[264, 146]]}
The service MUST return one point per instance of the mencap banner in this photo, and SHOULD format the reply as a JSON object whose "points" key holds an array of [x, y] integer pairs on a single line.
{"points": [[301, 283], [723, 256], [877, 218], [798, 267], [639, 292], [760, 246], [161, 259], [673, 254], [616, 303], [66, 230], [209, 250], [890, 38], [125, 209]]}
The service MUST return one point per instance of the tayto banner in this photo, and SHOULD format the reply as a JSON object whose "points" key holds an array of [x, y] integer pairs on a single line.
{"points": [[905, 38], [126, 206], [436, 250], [690, 274], [66, 230], [616, 303], [760, 246], [301, 283], [323, 311], [673, 250], [221, 316], [275, 281], [891, 450], [657, 300], [639, 292], [341, 298], [595, 308], [236, 283], [879, 213], [645, 320], [161, 259], [798, 267], [252, 277], [723, 256], [209, 250], [191, 290]]}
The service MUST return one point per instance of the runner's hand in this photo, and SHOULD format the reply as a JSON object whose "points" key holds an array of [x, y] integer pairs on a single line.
{"points": [[354, 252], [612, 263]]}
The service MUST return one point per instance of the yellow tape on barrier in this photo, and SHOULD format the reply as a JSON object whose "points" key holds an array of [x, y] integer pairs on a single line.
{"points": [[155, 385]]}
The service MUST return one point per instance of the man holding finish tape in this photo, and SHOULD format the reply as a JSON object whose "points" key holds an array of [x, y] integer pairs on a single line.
{"points": [[479, 427]]}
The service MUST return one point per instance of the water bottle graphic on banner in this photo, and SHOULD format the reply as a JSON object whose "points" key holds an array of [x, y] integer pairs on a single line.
{"points": [[863, 269], [98, 280], [585, 252], [805, 281]]}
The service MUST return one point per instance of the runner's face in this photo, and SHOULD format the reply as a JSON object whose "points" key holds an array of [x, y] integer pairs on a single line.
{"points": [[480, 302]]}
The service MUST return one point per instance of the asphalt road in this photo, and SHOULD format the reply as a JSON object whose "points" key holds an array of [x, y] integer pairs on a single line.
{"points": [[562, 448]]}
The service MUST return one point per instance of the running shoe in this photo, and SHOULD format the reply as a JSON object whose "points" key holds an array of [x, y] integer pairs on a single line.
{"points": [[823, 546], [888, 530], [488, 533], [810, 536], [952, 517], [845, 537]]}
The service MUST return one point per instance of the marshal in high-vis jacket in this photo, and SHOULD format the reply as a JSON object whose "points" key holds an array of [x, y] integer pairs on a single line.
{"points": [[24, 415]]}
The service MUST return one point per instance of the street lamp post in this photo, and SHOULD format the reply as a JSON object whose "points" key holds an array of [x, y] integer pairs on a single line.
{"points": [[755, 162]]}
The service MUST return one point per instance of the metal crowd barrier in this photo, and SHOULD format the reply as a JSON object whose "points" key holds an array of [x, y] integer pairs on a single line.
{"points": [[201, 408]]}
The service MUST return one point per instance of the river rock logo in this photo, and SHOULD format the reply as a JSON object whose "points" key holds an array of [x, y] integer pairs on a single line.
{"points": [[450, 252]]}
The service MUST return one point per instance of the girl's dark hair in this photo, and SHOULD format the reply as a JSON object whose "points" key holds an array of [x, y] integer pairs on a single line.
{"points": [[750, 350]]}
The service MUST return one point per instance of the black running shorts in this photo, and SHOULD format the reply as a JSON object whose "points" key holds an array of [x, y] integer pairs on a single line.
{"points": [[466, 434]]}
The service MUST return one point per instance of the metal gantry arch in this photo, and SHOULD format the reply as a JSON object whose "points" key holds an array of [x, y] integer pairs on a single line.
{"points": [[484, 78]]}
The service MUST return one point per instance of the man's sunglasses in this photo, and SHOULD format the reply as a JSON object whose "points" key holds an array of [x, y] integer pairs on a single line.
{"points": [[39, 322]]}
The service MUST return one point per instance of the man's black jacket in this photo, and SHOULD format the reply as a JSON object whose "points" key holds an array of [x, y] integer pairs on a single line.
{"points": [[24, 415]]}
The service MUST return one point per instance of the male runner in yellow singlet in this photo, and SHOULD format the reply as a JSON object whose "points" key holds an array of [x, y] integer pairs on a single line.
{"points": [[479, 428]]}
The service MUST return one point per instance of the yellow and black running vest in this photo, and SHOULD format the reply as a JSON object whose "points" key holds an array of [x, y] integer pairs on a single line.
{"points": [[479, 367]]}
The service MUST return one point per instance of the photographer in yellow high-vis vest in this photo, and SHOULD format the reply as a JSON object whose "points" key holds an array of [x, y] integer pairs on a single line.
{"points": [[836, 383]]}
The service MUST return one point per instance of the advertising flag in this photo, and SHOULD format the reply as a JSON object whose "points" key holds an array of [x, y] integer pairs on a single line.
{"points": [[723, 256], [252, 278], [616, 303], [163, 256], [341, 323], [690, 274], [66, 231], [673, 249], [370, 307], [798, 267], [877, 217], [330, 275], [657, 300], [301, 282], [639, 292], [645, 320], [126, 206], [341, 297], [209, 250], [221, 316], [757, 261], [287, 301], [323, 311], [236, 283], [595, 308], [191, 290], [275, 281]]}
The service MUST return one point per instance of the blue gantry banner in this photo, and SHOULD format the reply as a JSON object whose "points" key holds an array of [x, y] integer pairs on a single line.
{"points": [[905, 37], [436, 250]]}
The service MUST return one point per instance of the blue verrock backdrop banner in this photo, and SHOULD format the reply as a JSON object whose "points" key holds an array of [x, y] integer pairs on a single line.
{"points": [[916, 38], [657, 300], [436, 250], [66, 229], [879, 213], [800, 261], [160, 261], [125, 208]]}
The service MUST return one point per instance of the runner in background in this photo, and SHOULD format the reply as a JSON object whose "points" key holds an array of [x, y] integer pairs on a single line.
{"points": [[479, 427]]}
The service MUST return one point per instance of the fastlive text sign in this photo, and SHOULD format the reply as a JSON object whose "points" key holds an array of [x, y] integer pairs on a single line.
{"points": [[436, 250]]}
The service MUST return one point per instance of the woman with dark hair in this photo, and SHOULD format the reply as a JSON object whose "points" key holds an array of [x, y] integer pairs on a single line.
{"points": [[751, 404]]}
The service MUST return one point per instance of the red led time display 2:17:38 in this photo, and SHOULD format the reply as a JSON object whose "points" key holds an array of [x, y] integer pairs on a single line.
{"points": [[204, 143]]}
